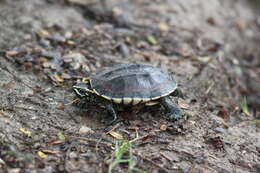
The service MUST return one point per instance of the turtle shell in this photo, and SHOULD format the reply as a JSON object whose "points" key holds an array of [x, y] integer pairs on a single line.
{"points": [[132, 83]]}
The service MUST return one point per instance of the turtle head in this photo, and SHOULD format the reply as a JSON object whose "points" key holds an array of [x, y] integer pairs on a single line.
{"points": [[83, 89], [178, 93]]}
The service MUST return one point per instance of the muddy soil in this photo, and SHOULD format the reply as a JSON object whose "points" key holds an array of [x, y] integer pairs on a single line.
{"points": [[210, 47]]}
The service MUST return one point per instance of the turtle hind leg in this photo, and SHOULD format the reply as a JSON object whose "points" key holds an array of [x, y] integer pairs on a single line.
{"points": [[111, 111], [173, 112]]}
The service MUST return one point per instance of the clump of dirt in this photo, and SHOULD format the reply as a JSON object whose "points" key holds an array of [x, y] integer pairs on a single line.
{"points": [[50, 45]]}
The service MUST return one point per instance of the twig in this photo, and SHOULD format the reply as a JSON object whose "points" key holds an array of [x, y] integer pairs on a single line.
{"points": [[210, 87], [110, 145], [100, 139], [149, 160]]}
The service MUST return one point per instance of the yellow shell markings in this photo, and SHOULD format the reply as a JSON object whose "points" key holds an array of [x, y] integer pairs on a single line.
{"points": [[117, 100], [151, 103], [127, 100], [157, 97], [146, 99], [134, 101]]}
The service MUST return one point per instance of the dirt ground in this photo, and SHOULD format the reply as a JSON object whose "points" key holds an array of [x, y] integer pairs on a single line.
{"points": [[211, 48]]}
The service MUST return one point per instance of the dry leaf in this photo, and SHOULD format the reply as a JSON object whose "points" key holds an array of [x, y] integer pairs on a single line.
{"points": [[8, 85], [42, 60], [116, 135], [61, 106], [58, 78], [54, 142], [41, 154], [11, 53], [211, 20], [184, 105], [70, 42], [26, 132], [37, 90], [234, 107], [43, 33], [50, 152], [224, 113]]}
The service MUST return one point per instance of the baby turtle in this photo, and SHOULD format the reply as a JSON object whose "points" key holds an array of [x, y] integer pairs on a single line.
{"points": [[128, 85]]}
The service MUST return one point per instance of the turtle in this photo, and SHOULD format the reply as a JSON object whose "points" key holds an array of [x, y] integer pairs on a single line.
{"points": [[129, 85]]}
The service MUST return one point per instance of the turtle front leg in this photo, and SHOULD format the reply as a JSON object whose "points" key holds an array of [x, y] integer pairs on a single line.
{"points": [[173, 112], [111, 111]]}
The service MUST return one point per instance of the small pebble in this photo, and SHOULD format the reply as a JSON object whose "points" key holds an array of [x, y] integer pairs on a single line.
{"points": [[85, 130], [124, 50], [73, 155]]}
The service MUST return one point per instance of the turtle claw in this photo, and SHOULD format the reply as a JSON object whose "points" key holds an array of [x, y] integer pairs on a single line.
{"points": [[174, 115], [173, 112]]}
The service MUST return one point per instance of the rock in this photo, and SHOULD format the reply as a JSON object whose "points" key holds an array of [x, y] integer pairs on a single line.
{"points": [[85, 130]]}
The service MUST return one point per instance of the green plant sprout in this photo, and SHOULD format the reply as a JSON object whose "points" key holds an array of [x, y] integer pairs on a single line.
{"points": [[244, 106], [123, 147]]}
